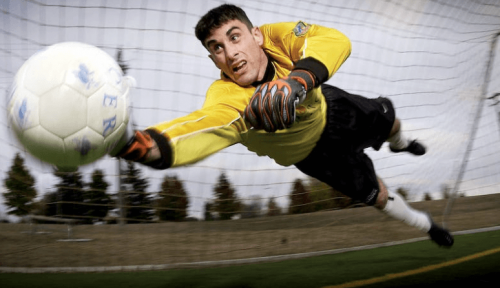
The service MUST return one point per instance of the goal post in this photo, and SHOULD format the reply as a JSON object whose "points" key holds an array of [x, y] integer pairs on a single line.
{"points": [[485, 89]]}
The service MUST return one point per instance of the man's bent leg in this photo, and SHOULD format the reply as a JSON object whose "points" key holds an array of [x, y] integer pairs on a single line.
{"points": [[395, 206], [399, 143], [396, 128]]}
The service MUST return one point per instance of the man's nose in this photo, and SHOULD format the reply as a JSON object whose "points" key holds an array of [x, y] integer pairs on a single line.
{"points": [[231, 52]]}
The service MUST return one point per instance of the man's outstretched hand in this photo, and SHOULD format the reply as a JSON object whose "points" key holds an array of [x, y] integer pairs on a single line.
{"points": [[140, 147]]}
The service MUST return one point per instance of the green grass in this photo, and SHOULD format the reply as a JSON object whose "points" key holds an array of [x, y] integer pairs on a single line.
{"points": [[309, 272]]}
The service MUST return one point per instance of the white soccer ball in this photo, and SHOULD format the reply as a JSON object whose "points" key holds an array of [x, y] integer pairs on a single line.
{"points": [[68, 104]]}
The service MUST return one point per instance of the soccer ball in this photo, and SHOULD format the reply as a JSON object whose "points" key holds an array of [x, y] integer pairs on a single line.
{"points": [[68, 104]]}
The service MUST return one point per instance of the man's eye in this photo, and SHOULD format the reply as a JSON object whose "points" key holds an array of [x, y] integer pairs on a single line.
{"points": [[217, 48], [235, 37]]}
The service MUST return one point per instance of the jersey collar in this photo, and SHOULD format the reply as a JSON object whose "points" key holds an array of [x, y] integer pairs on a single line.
{"points": [[269, 75]]}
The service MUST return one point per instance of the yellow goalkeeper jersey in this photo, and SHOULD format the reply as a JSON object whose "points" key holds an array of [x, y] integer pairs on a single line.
{"points": [[220, 124]]}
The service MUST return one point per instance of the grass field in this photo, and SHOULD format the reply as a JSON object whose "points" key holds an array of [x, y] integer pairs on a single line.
{"points": [[410, 265], [420, 264], [187, 242]]}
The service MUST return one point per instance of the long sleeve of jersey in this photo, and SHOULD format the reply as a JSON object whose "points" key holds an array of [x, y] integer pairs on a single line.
{"points": [[293, 42], [219, 124]]}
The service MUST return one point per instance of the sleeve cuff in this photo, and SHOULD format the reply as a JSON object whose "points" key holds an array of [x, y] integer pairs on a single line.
{"points": [[318, 69], [166, 151]]}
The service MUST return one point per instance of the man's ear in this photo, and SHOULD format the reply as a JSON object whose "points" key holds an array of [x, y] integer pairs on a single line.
{"points": [[212, 58], [257, 35]]}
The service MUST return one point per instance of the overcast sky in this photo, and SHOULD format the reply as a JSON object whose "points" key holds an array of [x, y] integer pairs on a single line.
{"points": [[428, 57]]}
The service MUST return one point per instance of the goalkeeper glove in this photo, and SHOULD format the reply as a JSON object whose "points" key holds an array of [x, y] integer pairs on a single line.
{"points": [[147, 147], [139, 148], [272, 106]]}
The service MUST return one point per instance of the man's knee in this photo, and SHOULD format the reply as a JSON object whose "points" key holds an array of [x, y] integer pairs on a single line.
{"points": [[396, 126], [382, 195]]}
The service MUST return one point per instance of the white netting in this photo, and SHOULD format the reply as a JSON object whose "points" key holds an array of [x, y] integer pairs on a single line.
{"points": [[428, 57]]}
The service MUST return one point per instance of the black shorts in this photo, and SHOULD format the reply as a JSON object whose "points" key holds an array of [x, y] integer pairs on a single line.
{"points": [[353, 124]]}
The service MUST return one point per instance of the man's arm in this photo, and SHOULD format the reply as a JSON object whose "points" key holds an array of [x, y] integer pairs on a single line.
{"points": [[190, 138], [317, 52]]}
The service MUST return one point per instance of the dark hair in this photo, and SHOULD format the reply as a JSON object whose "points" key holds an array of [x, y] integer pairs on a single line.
{"points": [[217, 17]]}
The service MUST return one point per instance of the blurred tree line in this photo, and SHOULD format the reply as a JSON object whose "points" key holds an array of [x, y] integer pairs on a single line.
{"points": [[315, 195], [90, 201]]}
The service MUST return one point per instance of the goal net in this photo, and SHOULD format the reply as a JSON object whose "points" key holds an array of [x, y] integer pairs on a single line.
{"points": [[438, 61]]}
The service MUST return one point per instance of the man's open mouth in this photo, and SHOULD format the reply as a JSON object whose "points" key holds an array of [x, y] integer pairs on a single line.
{"points": [[240, 65]]}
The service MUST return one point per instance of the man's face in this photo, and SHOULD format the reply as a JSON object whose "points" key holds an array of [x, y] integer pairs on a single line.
{"points": [[237, 52]]}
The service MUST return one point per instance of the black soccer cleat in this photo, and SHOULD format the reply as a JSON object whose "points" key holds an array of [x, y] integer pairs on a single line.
{"points": [[414, 148], [441, 236]]}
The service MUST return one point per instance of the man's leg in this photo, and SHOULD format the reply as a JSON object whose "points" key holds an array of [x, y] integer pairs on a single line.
{"points": [[395, 206], [399, 143]]}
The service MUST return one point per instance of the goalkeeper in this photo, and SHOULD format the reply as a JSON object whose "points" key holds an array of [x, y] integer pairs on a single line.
{"points": [[272, 98]]}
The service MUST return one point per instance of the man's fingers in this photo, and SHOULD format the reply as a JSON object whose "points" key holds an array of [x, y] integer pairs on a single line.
{"points": [[250, 113], [272, 107]]}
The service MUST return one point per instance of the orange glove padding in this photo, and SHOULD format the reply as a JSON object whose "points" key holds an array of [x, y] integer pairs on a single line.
{"points": [[272, 106], [138, 147]]}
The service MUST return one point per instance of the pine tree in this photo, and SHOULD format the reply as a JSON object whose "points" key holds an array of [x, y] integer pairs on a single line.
{"points": [[272, 208], [446, 191], [48, 205], [251, 209], [207, 215], [324, 197], [119, 59], [96, 194], [342, 201], [172, 200], [320, 195], [427, 196], [300, 201], [21, 190], [137, 200], [69, 194], [403, 192], [226, 203]]}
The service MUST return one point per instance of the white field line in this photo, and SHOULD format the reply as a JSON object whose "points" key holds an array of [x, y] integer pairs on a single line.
{"points": [[222, 262]]}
